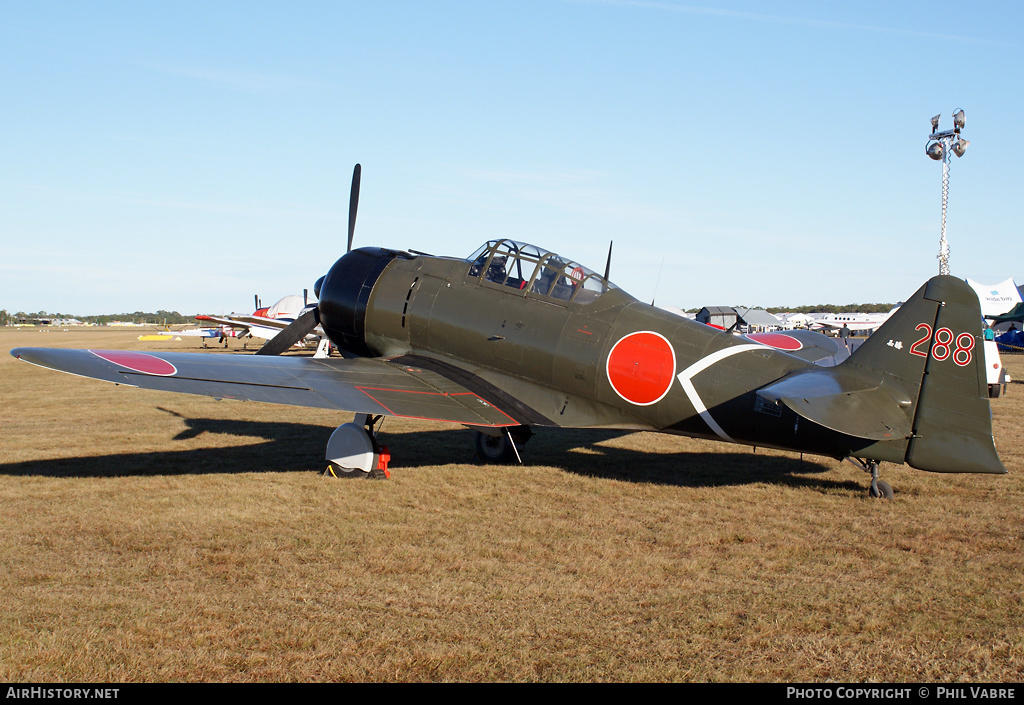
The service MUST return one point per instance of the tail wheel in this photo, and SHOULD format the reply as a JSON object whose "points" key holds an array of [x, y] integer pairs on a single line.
{"points": [[881, 489]]}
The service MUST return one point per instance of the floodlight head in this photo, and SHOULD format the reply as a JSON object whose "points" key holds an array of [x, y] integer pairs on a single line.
{"points": [[958, 120], [935, 123], [934, 150], [959, 147]]}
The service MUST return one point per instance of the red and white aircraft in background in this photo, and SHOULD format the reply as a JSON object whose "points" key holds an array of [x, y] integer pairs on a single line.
{"points": [[267, 322]]}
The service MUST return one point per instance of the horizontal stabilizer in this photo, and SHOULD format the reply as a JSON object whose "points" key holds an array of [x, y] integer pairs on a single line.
{"points": [[839, 402]]}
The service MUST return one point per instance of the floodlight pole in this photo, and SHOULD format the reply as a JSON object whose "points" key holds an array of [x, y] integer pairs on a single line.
{"points": [[943, 243], [940, 144]]}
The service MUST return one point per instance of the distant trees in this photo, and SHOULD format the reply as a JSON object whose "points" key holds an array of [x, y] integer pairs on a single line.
{"points": [[820, 308], [833, 308], [160, 317]]}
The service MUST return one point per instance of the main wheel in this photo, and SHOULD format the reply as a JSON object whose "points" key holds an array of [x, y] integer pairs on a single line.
{"points": [[351, 451], [494, 449], [335, 470]]}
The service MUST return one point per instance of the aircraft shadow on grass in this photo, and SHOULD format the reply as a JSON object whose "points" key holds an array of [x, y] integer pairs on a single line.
{"points": [[297, 447]]}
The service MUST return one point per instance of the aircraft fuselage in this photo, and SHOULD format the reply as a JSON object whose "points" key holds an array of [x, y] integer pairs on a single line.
{"points": [[567, 362]]}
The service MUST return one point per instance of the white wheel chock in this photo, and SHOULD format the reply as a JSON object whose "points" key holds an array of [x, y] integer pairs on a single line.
{"points": [[352, 451]]}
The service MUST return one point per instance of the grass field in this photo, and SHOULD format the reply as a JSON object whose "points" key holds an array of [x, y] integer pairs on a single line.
{"points": [[148, 536]]}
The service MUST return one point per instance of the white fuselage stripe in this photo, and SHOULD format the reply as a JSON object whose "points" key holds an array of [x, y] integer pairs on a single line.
{"points": [[686, 379]]}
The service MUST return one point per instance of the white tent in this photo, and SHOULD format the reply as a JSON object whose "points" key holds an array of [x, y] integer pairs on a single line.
{"points": [[288, 307], [997, 298]]}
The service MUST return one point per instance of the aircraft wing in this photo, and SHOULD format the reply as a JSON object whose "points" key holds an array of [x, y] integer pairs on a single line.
{"points": [[361, 385], [806, 344], [224, 321], [277, 323]]}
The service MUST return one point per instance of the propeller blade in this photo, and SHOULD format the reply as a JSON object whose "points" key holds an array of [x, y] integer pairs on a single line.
{"points": [[296, 331], [353, 205]]}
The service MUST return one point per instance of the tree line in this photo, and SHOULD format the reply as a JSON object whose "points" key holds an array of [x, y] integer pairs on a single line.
{"points": [[820, 308], [159, 317], [834, 308]]}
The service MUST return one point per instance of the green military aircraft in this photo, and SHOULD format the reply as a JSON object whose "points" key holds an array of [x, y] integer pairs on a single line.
{"points": [[516, 337]]}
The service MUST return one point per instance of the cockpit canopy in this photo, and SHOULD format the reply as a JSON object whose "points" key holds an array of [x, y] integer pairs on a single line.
{"points": [[530, 269]]}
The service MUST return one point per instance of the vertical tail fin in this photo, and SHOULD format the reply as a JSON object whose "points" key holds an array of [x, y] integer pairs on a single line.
{"points": [[932, 347]]}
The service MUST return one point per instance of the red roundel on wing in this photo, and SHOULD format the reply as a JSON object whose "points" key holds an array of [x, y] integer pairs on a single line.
{"points": [[641, 367], [138, 362], [777, 340]]}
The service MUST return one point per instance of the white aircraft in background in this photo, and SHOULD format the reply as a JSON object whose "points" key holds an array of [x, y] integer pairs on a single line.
{"points": [[267, 322], [852, 321], [221, 333]]}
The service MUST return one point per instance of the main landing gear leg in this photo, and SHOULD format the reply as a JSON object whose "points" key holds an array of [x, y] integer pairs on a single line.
{"points": [[879, 488], [353, 451]]}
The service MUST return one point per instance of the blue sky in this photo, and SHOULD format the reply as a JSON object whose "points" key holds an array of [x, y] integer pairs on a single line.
{"points": [[188, 155]]}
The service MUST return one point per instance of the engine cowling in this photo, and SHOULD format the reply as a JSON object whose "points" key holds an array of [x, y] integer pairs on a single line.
{"points": [[344, 294]]}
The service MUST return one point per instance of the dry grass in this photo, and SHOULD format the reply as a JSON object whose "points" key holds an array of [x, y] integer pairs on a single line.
{"points": [[153, 537]]}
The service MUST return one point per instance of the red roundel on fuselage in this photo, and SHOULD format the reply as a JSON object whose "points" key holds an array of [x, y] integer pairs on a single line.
{"points": [[138, 362], [641, 367]]}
